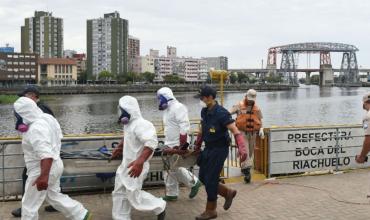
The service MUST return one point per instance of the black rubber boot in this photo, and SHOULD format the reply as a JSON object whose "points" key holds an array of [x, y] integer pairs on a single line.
{"points": [[17, 212], [247, 175], [162, 215], [50, 208]]}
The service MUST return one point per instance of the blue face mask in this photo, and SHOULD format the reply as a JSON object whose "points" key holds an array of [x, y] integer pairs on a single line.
{"points": [[19, 125], [124, 118], [163, 102]]}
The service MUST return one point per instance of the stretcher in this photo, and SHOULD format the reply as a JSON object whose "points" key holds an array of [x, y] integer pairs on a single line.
{"points": [[98, 161]]}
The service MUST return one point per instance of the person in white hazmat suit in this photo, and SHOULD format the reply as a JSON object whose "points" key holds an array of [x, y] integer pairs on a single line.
{"points": [[41, 142], [176, 129], [139, 142]]}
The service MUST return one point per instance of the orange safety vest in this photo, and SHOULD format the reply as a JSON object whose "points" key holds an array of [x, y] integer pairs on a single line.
{"points": [[248, 121]]}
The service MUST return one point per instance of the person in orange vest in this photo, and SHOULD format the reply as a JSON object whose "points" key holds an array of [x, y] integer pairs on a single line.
{"points": [[249, 120], [362, 157]]}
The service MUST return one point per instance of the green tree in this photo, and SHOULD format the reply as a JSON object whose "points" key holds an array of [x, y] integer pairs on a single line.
{"points": [[82, 77], [173, 79], [129, 78], [148, 76], [105, 75], [302, 80], [315, 79], [242, 78], [233, 78], [274, 79], [252, 80]]}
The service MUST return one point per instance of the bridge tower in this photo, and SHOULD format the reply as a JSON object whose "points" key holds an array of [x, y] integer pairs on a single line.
{"points": [[271, 62], [288, 67], [326, 69], [349, 73]]}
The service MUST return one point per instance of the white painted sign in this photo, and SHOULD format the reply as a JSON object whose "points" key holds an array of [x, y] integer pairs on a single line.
{"points": [[297, 150]]}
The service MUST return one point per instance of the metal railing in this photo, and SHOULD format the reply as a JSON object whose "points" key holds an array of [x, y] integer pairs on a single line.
{"points": [[11, 160]]}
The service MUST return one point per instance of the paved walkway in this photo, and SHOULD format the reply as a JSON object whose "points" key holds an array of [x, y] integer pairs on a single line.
{"points": [[341, 196]]}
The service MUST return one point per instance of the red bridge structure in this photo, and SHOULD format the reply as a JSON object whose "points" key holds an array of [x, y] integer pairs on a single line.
{"points": [[349, 72]]}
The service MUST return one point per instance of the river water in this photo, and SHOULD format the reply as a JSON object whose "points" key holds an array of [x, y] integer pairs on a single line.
{"points": [[306, 105]]}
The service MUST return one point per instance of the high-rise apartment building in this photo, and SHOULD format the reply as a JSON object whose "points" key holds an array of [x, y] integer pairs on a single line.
{"points": [[43, 35], [218, 63], [134, 59], [107, 45]]}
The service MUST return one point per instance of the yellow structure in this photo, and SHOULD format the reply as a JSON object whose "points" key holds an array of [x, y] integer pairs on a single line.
{"points": [[220, 76]]}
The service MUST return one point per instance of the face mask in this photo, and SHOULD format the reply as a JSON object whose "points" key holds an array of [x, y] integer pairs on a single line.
{"points": [[202, 104], [19, 125], [124, 118], [163, 103]]}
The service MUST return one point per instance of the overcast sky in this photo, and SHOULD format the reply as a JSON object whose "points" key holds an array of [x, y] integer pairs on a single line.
{"points": [[242, 30]]}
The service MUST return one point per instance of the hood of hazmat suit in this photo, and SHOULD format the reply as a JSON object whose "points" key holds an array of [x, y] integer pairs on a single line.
{"points": [[175, 118], [43, 137], [138, 133]]}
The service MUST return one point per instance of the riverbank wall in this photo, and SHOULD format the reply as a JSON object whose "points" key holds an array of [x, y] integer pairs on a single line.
{"points": [[145, 88]]}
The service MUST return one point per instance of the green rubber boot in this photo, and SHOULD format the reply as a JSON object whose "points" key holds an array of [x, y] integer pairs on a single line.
{"points": [[169, 198], [195, 189]]}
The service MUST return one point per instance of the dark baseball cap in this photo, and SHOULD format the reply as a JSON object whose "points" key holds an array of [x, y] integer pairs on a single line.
{"points": [[30, 88], [206, 91]]}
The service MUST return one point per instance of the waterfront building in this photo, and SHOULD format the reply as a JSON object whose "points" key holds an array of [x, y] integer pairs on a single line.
{"points": [[134, 59], [162, 67], [217, 63], [188, 68], [57, 71], [43, 35], [107, 45], [171, 52], [147, 64], [18, 69]]}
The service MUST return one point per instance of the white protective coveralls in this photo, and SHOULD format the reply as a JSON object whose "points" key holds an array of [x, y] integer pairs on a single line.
{"points": [[41, 141], [176, 122], [127, 190]]}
